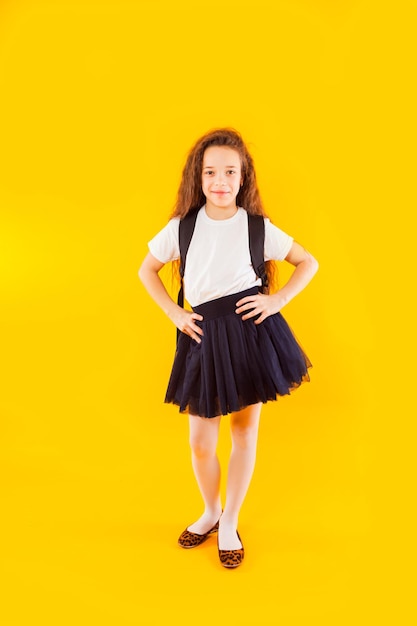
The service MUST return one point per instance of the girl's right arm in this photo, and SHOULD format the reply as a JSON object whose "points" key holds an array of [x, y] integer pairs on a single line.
{"points": [[183, 319]]}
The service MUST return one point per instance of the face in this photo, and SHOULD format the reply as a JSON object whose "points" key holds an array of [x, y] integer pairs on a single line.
{"points": [[221, 177]]}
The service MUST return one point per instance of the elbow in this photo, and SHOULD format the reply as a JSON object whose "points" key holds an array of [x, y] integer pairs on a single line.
{"points": [[314, 264], [141, 273]]}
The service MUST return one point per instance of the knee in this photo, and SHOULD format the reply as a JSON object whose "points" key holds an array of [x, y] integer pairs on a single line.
{"points": [[245, 438], [201, 447]]}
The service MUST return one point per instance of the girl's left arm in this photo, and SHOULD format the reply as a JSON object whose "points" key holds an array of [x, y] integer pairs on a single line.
{"points": [[264, 305]]}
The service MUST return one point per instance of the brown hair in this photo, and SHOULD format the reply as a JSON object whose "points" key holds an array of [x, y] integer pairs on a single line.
{"points": [[190, 194]]}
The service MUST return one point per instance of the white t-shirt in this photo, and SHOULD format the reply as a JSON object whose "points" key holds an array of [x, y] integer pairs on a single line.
{"points": [[218, 260]]}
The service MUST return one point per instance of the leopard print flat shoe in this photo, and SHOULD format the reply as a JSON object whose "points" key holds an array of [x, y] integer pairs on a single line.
{"points": [[231, 558], [188, 539]]}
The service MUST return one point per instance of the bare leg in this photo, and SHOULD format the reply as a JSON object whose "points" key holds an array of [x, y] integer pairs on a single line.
{"points": [[204, 434], [244, 429]]}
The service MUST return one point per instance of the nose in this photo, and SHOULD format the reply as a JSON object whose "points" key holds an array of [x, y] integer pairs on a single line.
{"points": [[219, 180]]}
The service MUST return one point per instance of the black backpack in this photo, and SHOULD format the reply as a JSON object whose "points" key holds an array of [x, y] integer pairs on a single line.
{"points": [[256, 246]]}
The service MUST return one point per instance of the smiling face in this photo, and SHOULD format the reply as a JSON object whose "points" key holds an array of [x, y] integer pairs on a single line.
{"points": [[221, 179]]}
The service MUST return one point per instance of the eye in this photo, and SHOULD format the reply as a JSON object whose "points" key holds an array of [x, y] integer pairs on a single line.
{"points": [[208, 172], [231, 172]]}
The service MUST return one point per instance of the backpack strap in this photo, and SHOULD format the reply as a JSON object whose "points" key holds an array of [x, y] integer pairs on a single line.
{"points": [[186, 230], [256, 225]]}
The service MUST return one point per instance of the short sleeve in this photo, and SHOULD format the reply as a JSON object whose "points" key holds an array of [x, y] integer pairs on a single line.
{"points": [[164, 246], [277, 242]]}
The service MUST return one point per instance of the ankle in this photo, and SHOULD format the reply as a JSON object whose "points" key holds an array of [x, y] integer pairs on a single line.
{"points": [[213, 511], [228, 519]]}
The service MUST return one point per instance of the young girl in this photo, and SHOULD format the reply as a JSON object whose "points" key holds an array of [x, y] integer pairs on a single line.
{"points": [[235, 350]]}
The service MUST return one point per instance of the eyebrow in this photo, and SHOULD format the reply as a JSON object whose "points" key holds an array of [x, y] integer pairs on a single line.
{"points": [[206, 166]]}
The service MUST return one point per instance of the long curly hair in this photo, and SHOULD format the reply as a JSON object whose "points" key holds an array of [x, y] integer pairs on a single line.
{"points": [[190, 194]]}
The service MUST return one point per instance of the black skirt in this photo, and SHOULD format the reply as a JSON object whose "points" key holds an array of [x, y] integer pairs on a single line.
{"points": [[237, 363]]}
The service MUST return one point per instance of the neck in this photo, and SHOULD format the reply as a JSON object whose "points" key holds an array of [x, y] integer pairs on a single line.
{"points": [[220, 213]]}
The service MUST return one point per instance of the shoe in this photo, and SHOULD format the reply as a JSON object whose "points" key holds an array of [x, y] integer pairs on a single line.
{"points": [[231, 558], [188, 539]]}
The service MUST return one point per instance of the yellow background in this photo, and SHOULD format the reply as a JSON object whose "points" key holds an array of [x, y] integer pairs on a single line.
{"points": [[100, 102]]}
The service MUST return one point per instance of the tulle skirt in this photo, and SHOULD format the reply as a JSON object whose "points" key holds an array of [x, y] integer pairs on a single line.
{"points": [[237, 363]]}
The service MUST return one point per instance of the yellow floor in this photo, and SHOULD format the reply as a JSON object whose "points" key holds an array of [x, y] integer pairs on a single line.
{"points": [[91, 516]]}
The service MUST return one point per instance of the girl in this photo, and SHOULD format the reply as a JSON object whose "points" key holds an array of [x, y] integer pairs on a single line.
{"points": [[235, 350]]}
